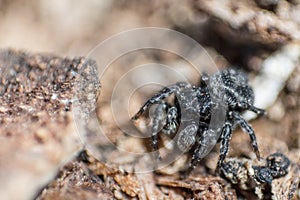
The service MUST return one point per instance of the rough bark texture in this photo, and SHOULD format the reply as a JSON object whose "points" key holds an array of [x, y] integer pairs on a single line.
{"points": [[37, 131]]}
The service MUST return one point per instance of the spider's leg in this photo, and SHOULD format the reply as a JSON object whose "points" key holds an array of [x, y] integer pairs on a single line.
{"points": [[158, 121], [167, 91], [258, 111], [195, 159], [225, 139], [204, 145], [247, 128]]}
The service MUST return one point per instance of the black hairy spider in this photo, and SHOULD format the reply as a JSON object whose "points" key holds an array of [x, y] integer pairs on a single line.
{"points": [[193, 107]]}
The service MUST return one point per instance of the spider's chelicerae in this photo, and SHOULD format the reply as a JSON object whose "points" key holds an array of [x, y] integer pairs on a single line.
{"points": [[191, 113]]}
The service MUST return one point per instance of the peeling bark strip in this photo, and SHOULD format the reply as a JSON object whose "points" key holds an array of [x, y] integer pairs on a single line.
{"points": [[37, 131]]}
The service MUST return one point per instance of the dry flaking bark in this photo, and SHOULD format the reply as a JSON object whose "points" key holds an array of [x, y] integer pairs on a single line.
{"points": [[202, 187], [37, 131], [76, 181], [125, 185]]}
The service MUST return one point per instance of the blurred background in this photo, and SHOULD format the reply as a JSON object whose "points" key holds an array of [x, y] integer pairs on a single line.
{"points": [[238, 31], [70, 28]]}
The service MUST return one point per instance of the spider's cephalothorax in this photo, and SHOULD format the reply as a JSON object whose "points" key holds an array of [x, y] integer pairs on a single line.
{"points": [[191, 113]]}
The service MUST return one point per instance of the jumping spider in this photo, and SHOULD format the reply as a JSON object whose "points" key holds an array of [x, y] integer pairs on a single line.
{"points": [[192, 111]]}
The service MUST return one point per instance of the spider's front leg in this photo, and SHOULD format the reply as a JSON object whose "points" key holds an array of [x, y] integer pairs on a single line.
{"points": [[157, 98], [248, 129], [205, 143]]}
